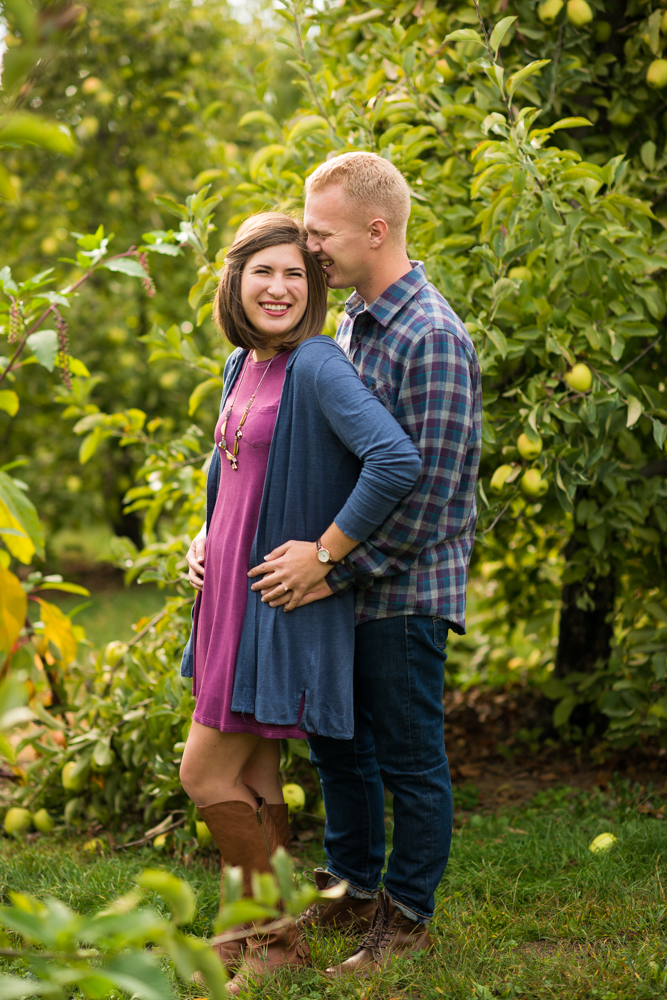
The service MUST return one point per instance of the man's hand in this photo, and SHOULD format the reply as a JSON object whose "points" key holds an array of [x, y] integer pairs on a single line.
{"points": [[195, 560], [291, 575]]}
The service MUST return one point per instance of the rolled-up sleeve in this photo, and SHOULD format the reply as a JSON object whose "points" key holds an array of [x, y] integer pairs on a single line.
{"points": [[390, 461], [437, 405]]}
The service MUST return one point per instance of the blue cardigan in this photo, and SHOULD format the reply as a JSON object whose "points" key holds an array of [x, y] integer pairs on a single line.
{"points": [[336, 455]]}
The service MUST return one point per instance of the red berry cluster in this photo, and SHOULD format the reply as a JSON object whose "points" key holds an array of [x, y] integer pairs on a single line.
{"points": [[15, 323], [63, 351], [148, 282]]}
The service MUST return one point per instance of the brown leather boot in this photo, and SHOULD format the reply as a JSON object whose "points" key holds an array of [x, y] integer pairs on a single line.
{"points": [[392, 936], [344, 912], [280, 816], [266, 953], [245, 837]]}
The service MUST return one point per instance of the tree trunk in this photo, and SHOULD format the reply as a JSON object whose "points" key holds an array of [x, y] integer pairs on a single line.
{"points": [[584, 636]]}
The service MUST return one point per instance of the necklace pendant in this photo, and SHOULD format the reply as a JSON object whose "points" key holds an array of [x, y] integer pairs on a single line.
{"points": [[235, 466], [239, 434]]}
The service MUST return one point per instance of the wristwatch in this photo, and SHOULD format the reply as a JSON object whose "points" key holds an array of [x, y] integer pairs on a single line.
{"points": [[323, 554]]}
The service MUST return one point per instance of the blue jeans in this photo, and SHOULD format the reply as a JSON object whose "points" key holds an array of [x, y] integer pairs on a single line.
{"points": [[399, 744]]}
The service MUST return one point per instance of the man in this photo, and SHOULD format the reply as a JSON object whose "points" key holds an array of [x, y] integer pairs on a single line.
{"points": [[414, 354]]}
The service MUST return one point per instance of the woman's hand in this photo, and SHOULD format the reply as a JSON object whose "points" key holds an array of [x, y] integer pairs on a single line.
{"points": [[290, 572], [195, 560]]}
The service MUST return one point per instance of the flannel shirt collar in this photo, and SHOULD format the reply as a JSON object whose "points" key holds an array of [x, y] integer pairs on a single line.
{"points": [[386, 305]]}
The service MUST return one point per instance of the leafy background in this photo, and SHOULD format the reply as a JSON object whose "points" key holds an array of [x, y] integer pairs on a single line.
{"points": [[535, 152]]}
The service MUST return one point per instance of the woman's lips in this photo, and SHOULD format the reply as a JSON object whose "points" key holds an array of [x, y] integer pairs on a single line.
{"points": [[275, 308]]}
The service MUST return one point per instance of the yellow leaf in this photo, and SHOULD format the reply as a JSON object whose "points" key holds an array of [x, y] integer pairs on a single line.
{"points": [[15, 538], [13, 607], [9, 401], [58, 630]]}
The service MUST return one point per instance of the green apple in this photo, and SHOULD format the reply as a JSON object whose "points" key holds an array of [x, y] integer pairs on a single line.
{"points": [[579, 13], [73, 782], [532, 484], [602, 843], [294, 796], [17, 821], [160, 842], [528, 449], [499, 478], [94, 846], [549, 11], [204, 836], [663, 23], [42, 821], [114, 651], [602, 31], [656, 75], [580, 378]]}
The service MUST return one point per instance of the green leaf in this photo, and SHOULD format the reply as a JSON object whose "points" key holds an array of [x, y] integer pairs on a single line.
{"points": [[563, 123], [563, 710], [9, 401], [518, 78], [89, 445], [177, 894], [464, 35], [635, 410], [306, 126], [25, 129], [22, 510], [500, 31], [68, 588], [376, 14], [180, 211], [659, 433], [203, 390], [126, 265], [44, 345]]}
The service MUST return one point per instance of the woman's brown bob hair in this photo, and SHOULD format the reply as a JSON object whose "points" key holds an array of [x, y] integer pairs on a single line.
{"points": [[267, 229]]}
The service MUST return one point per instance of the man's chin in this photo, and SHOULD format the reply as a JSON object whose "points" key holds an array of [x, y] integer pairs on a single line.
{"points": [[335, 281]]}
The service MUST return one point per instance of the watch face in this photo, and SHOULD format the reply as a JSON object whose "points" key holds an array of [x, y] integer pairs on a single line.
{"points": [[323, 555]]}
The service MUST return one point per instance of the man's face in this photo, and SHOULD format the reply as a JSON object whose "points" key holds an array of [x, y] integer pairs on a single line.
{"points": [[338, 237]]}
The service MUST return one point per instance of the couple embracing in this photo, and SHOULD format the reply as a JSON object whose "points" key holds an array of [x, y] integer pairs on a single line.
{"points": [[339, 525]]}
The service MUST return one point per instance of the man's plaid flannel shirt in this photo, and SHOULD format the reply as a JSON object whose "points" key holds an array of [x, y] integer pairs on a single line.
{"points": [[414, 354]]}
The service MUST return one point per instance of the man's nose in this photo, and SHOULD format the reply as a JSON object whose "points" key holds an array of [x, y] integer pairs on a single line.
{"points": [[313, 244]]}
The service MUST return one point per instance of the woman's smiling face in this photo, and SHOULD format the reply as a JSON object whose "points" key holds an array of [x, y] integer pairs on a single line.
{"points": [[274, 291]]}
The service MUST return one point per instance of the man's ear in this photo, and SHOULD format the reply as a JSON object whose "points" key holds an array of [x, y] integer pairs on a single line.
{"points": [[377, 233]]}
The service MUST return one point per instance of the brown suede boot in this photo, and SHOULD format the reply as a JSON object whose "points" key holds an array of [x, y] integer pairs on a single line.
{"points": [[344, 912], [280, 816], [392, 936], [266, 953], [245, 837]]}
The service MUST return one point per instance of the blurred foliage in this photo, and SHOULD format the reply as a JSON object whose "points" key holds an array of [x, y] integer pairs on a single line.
{"points": [[536, 207], [150, 92], [125, 946]]}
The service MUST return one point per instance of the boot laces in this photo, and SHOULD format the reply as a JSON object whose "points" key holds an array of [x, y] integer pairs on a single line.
{"points": [[379, 937]]}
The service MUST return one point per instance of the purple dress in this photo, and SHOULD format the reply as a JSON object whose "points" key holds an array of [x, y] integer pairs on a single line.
{"points": [[220, 608]]}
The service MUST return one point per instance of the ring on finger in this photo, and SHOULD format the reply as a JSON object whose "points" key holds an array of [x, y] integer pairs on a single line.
{"points": [[285, 589]]}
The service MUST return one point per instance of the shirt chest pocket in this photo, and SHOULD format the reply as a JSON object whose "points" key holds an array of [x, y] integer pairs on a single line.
{"points": [[380, 390], [259, 425]]}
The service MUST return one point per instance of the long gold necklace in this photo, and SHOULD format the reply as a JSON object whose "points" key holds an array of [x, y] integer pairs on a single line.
{"points": [[233, 454]]}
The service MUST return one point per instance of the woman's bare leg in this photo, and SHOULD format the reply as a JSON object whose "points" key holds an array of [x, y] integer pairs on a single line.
{"points": [[213, 765], [262, 772]]}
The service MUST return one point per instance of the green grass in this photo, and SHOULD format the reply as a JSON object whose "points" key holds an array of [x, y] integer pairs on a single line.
{"points": [[525, 909], [111, 612]]}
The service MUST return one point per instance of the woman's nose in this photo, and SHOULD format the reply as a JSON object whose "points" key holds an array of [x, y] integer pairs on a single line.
{"points": [[277, 286]]}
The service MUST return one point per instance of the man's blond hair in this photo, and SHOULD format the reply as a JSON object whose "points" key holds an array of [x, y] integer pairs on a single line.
{"points": [[373, 184]]}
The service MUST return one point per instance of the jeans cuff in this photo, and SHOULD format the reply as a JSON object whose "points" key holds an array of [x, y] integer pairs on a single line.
{"points": [[353, 890], [417, 918]]}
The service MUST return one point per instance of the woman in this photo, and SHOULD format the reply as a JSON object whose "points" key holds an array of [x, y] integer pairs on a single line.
{"points": [[302, 451]]}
